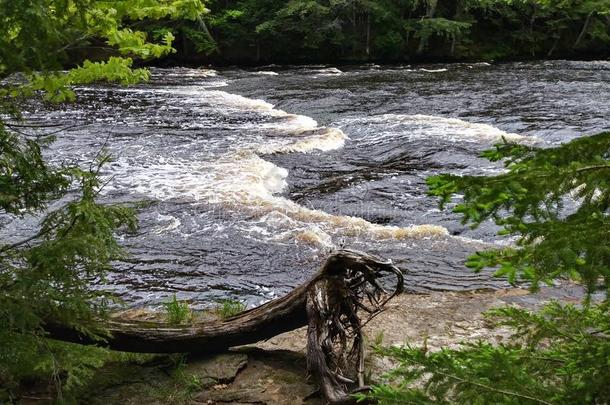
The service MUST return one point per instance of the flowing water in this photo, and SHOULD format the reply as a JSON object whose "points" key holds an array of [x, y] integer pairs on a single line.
{"points": [[250, 178]]}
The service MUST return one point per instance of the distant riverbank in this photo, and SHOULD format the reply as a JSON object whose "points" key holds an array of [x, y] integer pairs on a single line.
{"points": [[258, 32]]}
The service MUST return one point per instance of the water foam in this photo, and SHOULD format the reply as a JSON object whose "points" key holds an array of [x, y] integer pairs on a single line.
{"points": [[243, 182], [217, 83], [237, 101], [291, 123], [331, 71], [450, 129], [205, 72], [172, 223], [433, 70], [266, 73], [330, 139]]}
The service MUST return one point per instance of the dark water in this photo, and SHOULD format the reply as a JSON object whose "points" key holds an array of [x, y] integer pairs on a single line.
{"points": [[252, 177]]}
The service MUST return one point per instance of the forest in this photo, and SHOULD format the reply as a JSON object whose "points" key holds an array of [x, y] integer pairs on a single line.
{"points": [[352, 31], [260, 201]]}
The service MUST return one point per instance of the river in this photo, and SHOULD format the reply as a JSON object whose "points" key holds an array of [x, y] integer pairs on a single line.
{"points": [[248, 178]]}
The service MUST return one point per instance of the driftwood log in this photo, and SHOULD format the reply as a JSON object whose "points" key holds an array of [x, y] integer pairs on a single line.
{"points": [[329, 304]]}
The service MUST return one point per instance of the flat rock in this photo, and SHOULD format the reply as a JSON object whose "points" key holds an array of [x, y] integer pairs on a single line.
{"points": [[217, 369], [271, 377]]}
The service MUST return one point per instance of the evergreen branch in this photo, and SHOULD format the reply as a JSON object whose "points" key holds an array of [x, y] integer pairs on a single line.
{"points": [[554, 327], [588, 168], [101, 187], [481, 385]]}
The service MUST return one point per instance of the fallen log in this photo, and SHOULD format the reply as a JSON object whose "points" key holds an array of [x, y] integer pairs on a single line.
{"points": [[329, 304]]}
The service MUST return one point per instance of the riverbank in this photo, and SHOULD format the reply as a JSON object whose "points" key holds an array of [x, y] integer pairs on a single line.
{"points": [[274, 371]]}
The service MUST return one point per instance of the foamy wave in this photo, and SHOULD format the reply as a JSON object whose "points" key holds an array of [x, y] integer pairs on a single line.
{"points": [[171, 223], [242, 182], [266, 73], [206, 72], [184, 72], [232, 180], [323, 235], [451, 129], [216, 83], [331, 71], [288, 122], [433, 70], [237, 101], [292, 123], [315, 227], [354, 226], [314, 237], [331, 139], [344, 225]]}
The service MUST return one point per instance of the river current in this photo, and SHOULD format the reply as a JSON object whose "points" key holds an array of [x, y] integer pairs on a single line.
{"points": [[248, 178]]}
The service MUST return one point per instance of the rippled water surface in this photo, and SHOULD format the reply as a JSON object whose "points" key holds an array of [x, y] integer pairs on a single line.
{"points": [[251, 177]]}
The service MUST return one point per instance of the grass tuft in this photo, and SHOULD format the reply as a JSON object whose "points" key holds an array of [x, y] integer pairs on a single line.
{"points": [[228, 308], [177, 312]]}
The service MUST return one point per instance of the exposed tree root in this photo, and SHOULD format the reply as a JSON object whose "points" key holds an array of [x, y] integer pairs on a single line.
{"points": [[335, 344]]}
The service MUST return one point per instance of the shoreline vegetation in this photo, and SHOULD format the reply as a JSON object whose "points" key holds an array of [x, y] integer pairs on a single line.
{"points": [[272, 371], [260, 32]]}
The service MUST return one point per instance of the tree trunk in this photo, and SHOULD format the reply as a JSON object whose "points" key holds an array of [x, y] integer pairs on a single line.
{"points": [[584, 29], [260, 323], [550, 52], [207, 33], [368, 35]]}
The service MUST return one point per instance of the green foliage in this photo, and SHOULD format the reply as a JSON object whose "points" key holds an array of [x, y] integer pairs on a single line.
{"points": [[49, 280], [177, 312], [74, 364], [202, 41], [228, 308], [403, 29], [42, 33], [26, 181], [56, 86], [557, 202], [556, 356], [428, 27], [529, 200], [67, 366], [185, 383], [47, 276]]}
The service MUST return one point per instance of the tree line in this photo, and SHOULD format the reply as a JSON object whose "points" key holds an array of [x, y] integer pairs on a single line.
{"points": [[261, 31]]}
